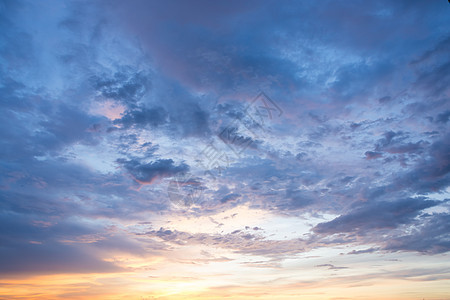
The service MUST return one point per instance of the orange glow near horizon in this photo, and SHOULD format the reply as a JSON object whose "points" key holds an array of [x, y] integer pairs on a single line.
{"points": [[202, 271], [135, 286]]}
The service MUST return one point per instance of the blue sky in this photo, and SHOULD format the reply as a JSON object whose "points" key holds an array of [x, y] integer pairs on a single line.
{"points": [[202, 149]]}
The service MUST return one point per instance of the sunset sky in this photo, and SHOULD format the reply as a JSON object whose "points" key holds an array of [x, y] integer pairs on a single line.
{"points": [[224, 149]]}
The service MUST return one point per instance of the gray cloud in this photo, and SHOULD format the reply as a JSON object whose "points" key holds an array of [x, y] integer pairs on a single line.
{"points": [[126, 85], [143, 117], [376, 215], [146, 172]]}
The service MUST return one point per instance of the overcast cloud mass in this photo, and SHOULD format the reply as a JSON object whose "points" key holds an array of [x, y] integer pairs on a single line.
{"points": [[224, 149]]}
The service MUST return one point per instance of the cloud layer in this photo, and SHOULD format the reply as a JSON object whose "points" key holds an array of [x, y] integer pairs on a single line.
{"points": [[105, 104]]}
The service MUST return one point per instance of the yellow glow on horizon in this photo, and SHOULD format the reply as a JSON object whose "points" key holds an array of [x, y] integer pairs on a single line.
{"points": [[172, 280]]}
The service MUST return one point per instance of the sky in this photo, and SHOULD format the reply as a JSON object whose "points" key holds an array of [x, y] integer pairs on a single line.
{"points": [[224, 149]]}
